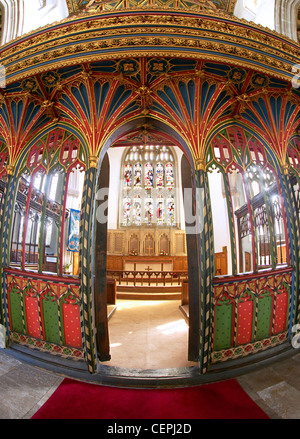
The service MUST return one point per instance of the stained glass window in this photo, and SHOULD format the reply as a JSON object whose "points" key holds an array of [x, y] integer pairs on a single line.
{"points": [[159, 175], [170, 211], [252, 199], [148, 186], [169, 175], [137, 175], [160, 210], [128, 176], [137, 211], [148, 211], [148, 176], [126, 211]]}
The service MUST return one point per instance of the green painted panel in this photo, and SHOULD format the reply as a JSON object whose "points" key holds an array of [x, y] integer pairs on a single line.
{"points": [[223, 326], [264, 316], [51, 323], [15, 303]]}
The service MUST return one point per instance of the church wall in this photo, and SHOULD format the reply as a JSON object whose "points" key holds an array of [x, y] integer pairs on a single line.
{"points": [[12, 13], [115, 158], [36, 16], [220, 217], [259, 11], [23, 16]]}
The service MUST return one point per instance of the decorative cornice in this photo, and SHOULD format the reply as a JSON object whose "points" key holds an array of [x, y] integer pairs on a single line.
{"points": [[115, 35], [82, 7], [219, 16]]}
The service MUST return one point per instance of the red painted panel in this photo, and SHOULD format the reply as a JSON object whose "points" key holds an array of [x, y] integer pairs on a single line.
{"points": [[281, 313], [245, 322], [72, 329], [32, 316]]}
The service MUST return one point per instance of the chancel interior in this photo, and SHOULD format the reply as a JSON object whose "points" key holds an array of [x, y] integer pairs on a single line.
{"points": [[149, 152]]}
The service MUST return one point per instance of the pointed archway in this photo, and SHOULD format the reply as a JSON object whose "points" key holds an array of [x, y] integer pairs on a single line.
{"points": [[192, 246]]}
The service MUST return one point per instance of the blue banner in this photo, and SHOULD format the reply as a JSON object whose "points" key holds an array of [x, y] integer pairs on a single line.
{"points": [[74, 224]]}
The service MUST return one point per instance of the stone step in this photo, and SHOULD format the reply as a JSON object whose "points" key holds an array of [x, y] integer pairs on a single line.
{"points": [[149, 289], [146, 292], [130, 295]]}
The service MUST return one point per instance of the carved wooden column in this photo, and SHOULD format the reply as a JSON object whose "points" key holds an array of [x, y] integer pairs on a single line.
{"points": [[293, 222], [193, 257], [207, 267], [7, 209], [86, 230], [200, 250]]}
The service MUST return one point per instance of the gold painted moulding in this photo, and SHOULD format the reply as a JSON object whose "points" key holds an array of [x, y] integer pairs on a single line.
{"points": [[150, 33]]}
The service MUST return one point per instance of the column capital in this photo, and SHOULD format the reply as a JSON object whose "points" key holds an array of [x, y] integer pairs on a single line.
{"points": [[200, 165], [285, 168], [93, 161], [10, 169]]}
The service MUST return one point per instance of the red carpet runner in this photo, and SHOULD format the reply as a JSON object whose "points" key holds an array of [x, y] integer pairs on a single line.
{"points": [[79, 400]]}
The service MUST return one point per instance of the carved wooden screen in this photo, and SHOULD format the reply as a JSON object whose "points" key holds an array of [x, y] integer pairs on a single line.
{"points": [[253, 195]]}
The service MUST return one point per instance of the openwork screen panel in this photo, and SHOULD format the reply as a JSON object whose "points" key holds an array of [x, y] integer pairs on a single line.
{"points": [[45, 228], [254, 206]]}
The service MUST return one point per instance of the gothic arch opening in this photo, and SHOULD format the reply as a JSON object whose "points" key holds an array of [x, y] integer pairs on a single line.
{"points": [[147, 256]]}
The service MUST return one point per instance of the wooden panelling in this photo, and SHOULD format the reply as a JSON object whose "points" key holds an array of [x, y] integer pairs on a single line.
{"points": [[221, 263], [180, 263], [114, 262]]}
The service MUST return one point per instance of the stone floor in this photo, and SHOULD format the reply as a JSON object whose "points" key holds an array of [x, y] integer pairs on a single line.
{"points": [[148, 334], [160, 338]]}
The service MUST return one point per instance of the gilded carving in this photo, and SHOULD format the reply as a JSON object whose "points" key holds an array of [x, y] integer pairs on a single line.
{"points": [[10, 169], [200, 164], [94, 6], [93, 161], [192, 33]]}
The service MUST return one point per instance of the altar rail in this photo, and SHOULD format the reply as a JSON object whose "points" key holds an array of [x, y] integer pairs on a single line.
{"points": [[150, 278], [251, 312]]}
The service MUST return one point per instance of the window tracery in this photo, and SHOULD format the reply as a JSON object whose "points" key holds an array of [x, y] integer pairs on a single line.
{"points": [[148, 187]]}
